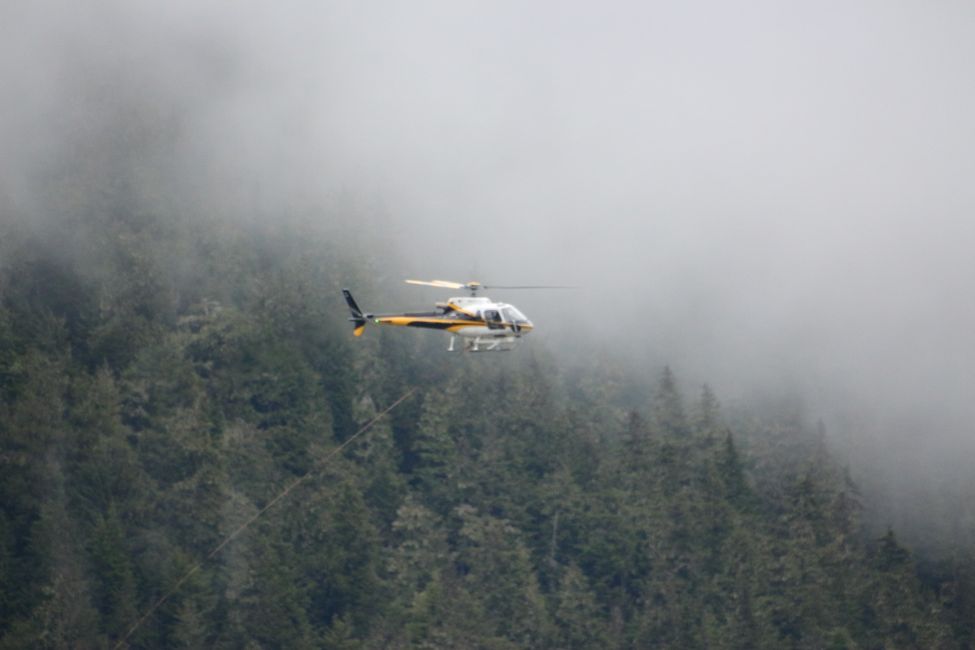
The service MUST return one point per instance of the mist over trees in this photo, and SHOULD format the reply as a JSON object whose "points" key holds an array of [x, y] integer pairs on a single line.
{"points": [[147, 412], [748, 429]]}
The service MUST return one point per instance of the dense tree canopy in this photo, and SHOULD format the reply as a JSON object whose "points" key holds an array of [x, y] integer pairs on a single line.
{"points": [[166, 378]]}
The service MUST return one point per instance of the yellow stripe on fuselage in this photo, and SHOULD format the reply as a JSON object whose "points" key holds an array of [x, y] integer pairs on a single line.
{"points": [[406, 321], [457, 308], [453, 324], [460, 326]]}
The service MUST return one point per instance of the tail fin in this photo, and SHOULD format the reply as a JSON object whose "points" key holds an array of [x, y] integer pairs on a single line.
{"points": [[358, 318]]}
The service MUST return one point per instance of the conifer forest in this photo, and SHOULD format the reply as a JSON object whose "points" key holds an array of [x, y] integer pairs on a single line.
{"points": [[147, 414], [196, 452]]}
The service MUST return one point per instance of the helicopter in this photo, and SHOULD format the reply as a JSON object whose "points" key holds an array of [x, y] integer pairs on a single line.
{"points": [[483, 324]]}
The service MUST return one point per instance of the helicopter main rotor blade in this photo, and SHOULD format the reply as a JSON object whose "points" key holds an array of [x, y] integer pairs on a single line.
{"points": [[528, 286], [443, 284], [473, 287]]}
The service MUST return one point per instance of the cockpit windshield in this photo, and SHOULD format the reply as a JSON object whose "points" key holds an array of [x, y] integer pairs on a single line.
{"points": [[512, 315]]}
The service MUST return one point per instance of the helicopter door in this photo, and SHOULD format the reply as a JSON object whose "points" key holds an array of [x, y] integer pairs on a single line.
{"points": [[493, 319]]}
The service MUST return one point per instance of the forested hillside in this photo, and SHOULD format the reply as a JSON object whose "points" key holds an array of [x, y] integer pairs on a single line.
{"points": [[163, 377]]}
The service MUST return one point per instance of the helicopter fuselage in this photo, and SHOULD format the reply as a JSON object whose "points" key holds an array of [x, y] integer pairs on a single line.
{"points": [[467, 316], [484, 324]]}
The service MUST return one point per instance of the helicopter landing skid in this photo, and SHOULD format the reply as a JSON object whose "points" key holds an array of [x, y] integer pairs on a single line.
{"points": [[486, 343]]}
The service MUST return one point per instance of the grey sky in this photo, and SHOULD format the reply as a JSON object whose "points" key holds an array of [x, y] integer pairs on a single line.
{"points": [[749, 190]]}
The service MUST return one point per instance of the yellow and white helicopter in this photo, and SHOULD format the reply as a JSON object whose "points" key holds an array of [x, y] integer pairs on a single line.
{"points": [[483, 324]]}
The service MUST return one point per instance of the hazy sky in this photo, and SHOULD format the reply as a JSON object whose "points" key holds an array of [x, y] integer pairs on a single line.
{"points": [[748, 190]]}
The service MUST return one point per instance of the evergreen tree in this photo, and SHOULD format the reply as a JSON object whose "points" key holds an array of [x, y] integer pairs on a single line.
{"points": [[376, 452], [433, 454], [731, 474], [895, 614], [421, 548], [578, 621], [114, 593], [497, 567], [707, 413], [668, 406]]}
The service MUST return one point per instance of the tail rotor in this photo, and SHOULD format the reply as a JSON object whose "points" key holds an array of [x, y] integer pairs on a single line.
{"points": [[358, 318]]}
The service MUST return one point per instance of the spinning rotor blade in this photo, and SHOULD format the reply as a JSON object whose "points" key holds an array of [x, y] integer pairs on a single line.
{"points": [[531, 286], [443, 284], [473, 287]]}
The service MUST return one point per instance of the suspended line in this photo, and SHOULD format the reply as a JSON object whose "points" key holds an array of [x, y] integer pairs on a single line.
{"points": [[268, 506]]}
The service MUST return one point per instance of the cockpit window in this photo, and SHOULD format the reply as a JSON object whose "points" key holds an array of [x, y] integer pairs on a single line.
{"points": [[493, 319], [512, 315]]}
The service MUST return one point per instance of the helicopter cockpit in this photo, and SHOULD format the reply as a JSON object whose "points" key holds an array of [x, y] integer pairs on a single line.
{"points": [[514, 318], [512, 315]]}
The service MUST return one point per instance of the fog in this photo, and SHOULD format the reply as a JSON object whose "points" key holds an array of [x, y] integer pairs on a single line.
{"points": [[763, 195]]}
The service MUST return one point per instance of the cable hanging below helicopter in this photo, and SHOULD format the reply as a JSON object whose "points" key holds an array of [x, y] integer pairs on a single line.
{"points": [[483, 324]]}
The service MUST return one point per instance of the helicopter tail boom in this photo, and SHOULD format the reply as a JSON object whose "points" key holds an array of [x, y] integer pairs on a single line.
{"points": [[358, 318]]}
